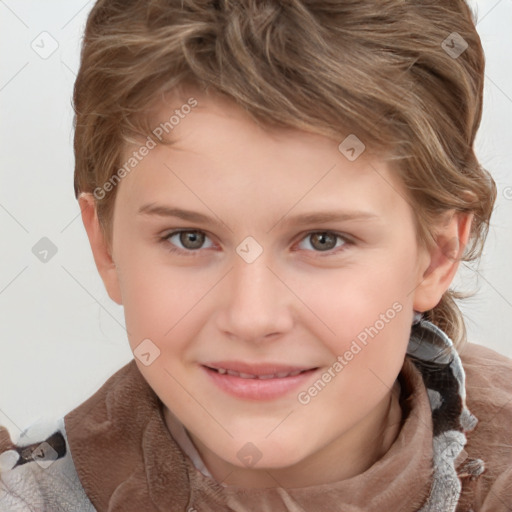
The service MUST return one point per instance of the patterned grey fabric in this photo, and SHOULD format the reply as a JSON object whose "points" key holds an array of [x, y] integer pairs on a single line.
{"points": [[432, 351]]}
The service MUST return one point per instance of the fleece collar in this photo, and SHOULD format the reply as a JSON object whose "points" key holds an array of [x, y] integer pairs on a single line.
{"points": [[127, 460]]}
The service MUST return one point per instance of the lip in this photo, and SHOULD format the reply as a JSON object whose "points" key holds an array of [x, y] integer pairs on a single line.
{"points": [[260, 389], [256, 369]]}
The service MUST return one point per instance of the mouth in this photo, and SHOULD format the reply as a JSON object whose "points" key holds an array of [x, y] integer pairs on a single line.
{"points": [[257, 382], [243, 375]]}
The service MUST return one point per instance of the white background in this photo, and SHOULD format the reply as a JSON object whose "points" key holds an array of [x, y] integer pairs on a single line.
{"points": [[61, 336]]}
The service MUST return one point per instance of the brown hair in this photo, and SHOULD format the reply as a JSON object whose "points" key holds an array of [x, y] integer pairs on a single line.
{"points": [[380, 70]]}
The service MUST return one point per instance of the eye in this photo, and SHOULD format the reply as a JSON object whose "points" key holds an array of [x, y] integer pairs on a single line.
{"points": [[326, 241], [191, 241]]}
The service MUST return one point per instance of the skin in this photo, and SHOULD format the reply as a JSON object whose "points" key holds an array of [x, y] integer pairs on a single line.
{"points": [[294, 304]]}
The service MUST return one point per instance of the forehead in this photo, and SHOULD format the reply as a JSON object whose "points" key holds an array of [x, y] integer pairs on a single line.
{"points": [[219, 154]]}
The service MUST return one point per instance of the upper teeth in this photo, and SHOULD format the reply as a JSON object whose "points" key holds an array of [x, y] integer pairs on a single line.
{"points": [[279, 375]]}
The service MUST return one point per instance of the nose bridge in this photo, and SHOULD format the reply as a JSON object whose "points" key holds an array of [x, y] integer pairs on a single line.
{"points": [[255, 304]]}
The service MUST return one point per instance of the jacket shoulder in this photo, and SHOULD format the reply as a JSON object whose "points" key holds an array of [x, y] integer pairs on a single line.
{"points": [[489, 398], [37, 472]]}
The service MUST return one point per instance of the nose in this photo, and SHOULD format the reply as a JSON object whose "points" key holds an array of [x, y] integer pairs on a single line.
{"points": [[255, 305]]}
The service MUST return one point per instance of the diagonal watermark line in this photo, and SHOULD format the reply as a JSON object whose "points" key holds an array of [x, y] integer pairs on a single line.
{"points": [[301, 198], [14, 218], [225, 478], [205, 294], [489, 283], [73, 72], [19, 19], [74, 218], [499, 88], [409, 293], [14, 76], [280, 423], [199, 403], [489, 11], [11, 420], [498, 411], [95, 299], [289, 502], [76, 14], [383, 383], [301, 300], [70, 222], [13, 279], [165, 165], [509, 508]]}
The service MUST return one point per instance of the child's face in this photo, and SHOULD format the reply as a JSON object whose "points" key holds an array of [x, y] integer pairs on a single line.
{"points": [[292, 307]]}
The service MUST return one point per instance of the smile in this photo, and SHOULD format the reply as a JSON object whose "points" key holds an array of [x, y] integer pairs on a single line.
{"points": [[257, 382], [280, 375]]}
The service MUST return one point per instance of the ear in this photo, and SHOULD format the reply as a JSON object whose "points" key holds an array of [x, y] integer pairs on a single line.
{"points": [[443, 260], [100, 249]]}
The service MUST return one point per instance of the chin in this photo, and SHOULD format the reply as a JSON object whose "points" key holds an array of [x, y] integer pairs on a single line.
{"points": [[265, 455]]}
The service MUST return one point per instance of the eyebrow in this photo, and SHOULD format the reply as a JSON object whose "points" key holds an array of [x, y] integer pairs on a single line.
{"points": [[328, 216], [168, 211], [303, 218]]}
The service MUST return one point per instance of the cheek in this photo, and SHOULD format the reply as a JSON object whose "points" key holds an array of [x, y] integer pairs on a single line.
{"points": [[155, 297], [169, 306], [360, 301]]}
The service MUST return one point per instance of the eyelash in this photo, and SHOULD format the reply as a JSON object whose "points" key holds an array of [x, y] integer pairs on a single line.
{"points": [[194, 253]]}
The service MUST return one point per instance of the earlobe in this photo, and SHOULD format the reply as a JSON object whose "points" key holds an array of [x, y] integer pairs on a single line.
{"points": [[443, 261], [99, 246]]}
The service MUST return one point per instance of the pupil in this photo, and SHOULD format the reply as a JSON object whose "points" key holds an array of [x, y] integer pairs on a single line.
{"points": [[191, 239], [324, 240]]}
